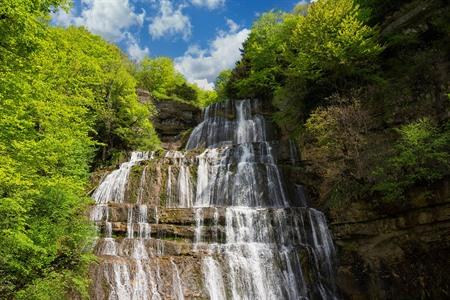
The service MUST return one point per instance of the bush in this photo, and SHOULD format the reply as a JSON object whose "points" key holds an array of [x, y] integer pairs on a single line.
{"points": [[421, 156]]}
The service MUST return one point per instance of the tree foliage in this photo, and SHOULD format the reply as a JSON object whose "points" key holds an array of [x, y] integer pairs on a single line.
{"points": [[159, 76], [66, 97], [421, 155], [335, 138], [297, 58], [331, 40], [95, 75], [22, 29], [220, 85], [263, 59]]}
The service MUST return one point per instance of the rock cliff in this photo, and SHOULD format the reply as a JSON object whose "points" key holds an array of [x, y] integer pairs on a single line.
{"points": [[173, 119], [398, 254]]}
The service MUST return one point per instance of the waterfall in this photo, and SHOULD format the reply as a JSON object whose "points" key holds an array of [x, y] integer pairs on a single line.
{"points": [[293, 152], [229, 224], [176, 283], [179, 189], [128, 280], [260, 256], [214, 279], [112, 189]]}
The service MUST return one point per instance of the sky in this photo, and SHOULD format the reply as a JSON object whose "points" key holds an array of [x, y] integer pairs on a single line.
{"points": [[202, 36]]}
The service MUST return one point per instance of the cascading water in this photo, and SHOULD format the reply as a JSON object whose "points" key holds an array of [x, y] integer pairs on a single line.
{"points": [[226, 225]]}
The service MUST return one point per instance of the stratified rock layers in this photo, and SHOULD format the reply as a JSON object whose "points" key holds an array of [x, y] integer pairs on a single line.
{"points": [[218, 221]]}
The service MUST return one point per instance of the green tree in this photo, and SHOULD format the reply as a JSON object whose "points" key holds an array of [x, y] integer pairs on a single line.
{"points": [[69, 96], [185, 91], [46, 150], [21, 28], [331, 40], [95, 74], [329, 49], [205, 97], [158, 75], [262, 55], [220, 85], [421, 156]]}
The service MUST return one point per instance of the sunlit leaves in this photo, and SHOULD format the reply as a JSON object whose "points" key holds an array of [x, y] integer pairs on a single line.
{"points": [[331, 37], [420, 155], [63, 93]]}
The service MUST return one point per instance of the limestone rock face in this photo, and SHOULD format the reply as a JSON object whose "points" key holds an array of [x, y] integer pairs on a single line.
{"points": [[173, 120], [403, 254]]}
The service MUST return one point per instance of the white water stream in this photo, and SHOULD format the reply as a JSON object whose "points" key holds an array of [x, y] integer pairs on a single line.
{"points": [[255, 245]]}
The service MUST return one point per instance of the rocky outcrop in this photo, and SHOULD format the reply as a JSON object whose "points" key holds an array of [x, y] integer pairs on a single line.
{"points": [[410, 17], [402, 254], [396, 251], [173, 119]]}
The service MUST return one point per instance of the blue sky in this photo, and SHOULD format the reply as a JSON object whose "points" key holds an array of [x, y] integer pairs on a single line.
{"points": [[202, 36]]}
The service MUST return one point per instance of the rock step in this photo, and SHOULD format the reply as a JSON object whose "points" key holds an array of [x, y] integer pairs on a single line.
{"points": [[125, 248], [166, 231], [118, 212]]}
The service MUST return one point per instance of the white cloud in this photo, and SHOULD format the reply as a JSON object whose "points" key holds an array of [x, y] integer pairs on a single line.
{"points": [[204, 84], [170, 21], [63, 18], [135, 51], [202, 66], [210, 4], [108, 18], [232, 25], [195, 50], [141, 18]]}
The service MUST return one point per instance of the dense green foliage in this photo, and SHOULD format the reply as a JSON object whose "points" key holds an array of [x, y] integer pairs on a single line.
{"points": [[97, 76], [261, 70], [21, 28], [297, 59], [362, 85], [159, 77], [66, 98], [220, 85], [421, 155]]}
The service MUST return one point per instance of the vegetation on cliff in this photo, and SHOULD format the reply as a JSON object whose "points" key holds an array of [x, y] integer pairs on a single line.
{"points": [[362, 85]]}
